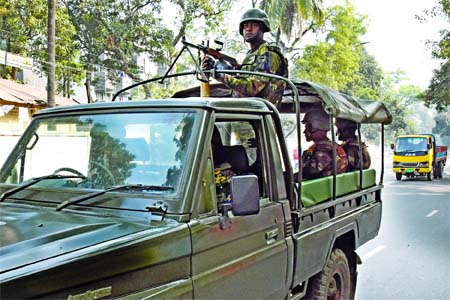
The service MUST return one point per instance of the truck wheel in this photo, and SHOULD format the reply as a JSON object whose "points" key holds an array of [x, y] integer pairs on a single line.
{"points": [[398, 176], [440, 170], [429, 176], [335, 281]]}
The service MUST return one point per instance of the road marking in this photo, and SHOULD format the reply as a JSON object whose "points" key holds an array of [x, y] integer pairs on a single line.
{"points": [[432, 213], [372, 253]]}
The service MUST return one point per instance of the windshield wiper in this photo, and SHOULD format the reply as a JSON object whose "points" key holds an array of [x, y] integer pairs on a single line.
{"points": [[130, 187], [35, 180]]}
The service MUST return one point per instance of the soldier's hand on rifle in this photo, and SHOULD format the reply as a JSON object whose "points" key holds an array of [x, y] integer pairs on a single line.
{"points": [[209, 63]]}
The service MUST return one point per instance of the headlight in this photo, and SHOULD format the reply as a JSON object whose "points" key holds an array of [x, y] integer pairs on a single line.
{"points": [[423, 164]]}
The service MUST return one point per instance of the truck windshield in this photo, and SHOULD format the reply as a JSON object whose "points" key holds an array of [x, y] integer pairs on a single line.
{"points": [[411, 144], [105, 150]]}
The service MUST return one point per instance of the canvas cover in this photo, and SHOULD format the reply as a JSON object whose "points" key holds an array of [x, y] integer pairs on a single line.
{"points": [[311, 95]]}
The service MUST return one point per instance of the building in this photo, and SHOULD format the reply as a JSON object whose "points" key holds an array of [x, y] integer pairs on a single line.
{"points": [[18, 102]]}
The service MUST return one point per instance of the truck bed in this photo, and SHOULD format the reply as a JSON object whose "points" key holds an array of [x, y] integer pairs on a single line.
{"points": [[441, 153]]}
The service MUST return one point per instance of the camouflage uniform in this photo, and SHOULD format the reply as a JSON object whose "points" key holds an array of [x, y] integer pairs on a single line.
{"points": [[264, 59], [318, 160], [351, 148]]}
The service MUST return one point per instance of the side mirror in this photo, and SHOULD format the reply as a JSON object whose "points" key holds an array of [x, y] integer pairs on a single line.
{"points": [[428, 146], [245, 195], [392, 146]]}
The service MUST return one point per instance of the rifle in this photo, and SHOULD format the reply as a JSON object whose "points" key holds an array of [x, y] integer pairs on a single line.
{"points": [[204, 86], [215, 53]]}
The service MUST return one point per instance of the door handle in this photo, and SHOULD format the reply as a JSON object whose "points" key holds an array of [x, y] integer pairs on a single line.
{"points": [[271, 236]]}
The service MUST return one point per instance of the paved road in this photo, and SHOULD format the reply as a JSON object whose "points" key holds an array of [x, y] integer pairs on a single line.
{"points": [[410, 258]]}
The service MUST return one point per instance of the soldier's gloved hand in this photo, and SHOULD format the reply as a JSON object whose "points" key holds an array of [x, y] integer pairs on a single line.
{"points": [[208, 63], [211, 64], [219, 65]]}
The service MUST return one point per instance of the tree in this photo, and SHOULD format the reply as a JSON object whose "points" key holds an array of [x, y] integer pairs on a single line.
{"points": [[23, 24], [438, 92], [442, 127], [398, 99], [335, 61], [68, 69], [211, 11], [114, 33], [289, 18], [367, 82], [51, 53], [20, 22]]}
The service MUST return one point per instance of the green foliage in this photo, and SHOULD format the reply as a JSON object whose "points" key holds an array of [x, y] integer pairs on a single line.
{"points": [[68, 68], [113, 33], [335, 62], [399, 99], [289, 17], [23, 25], [210, 11], [367, 83], [20, 21], [438, 92]]}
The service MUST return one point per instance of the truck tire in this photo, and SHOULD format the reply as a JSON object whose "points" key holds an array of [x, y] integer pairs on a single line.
{"points": [[335, 281], [429, 176], [440, 169], [398, 176]]}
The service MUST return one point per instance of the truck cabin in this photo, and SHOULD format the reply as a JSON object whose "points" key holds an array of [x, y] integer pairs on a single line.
{"points": [[412, 144]]}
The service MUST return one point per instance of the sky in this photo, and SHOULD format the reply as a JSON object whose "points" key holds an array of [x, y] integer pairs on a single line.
{"points": [[397, 39]]}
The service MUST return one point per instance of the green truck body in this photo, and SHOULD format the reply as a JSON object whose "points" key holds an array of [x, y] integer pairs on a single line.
{"points": [[163, 232]]}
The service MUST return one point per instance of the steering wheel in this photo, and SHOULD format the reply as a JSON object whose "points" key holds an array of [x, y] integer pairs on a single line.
{"points": [[71, 170]]}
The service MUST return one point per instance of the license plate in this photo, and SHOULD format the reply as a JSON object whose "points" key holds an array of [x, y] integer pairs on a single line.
{"points": [[409, 170]]}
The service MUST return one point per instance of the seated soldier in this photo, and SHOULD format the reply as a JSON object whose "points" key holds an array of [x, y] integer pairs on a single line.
{"points": [[318, 159], [346, 133]]}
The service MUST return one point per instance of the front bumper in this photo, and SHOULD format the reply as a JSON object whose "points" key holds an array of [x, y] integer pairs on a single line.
{"points": [[412, 171]]}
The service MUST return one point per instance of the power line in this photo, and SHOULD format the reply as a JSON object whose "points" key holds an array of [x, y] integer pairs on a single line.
{"points": [[84, 54], [79, 70]]}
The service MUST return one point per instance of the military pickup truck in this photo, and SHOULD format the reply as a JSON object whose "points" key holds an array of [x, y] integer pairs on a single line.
{"points": [[126, 200]]}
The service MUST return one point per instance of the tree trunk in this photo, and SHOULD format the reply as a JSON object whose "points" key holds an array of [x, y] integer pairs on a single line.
{"points": [[88, 87], [66, 86], [51, 54]]}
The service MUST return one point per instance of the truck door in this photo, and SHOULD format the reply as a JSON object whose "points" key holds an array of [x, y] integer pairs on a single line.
{"points": [[248, 258]]}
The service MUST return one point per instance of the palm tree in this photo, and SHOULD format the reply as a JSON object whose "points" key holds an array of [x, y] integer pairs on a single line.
{"points": [[290, 15]]}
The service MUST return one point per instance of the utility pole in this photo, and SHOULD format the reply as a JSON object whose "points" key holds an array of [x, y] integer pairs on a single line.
{"points": [[51, 53]]}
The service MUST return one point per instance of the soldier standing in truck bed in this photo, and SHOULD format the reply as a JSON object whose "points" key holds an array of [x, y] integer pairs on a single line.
{"points": [[261, 57]]}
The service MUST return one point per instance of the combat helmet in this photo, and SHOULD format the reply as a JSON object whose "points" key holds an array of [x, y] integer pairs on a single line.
{"points": [[318, 120], [342, 124], [255, 14]]}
